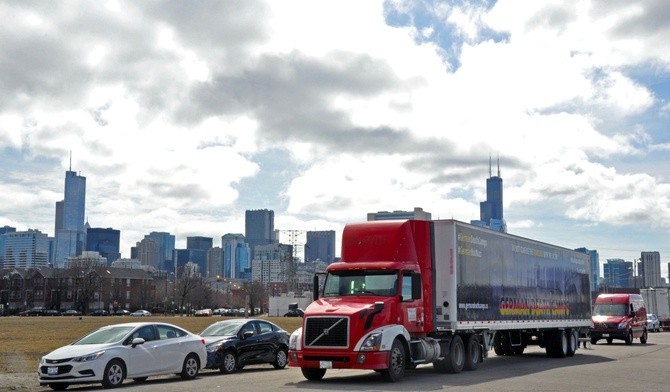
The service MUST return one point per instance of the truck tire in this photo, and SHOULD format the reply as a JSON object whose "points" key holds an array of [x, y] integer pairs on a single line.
{"points": [[456, 358], [473, 352], [313, 374], [557, 344], [396, 366], [573, 343]]}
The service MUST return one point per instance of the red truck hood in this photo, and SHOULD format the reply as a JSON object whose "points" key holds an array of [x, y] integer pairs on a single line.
{"points": [[345, 306]]}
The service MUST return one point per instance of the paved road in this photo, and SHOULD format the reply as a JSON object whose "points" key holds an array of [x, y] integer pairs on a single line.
{"points": [[603, 367]]}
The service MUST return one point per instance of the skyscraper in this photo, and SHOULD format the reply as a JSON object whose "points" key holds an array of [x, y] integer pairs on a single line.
{"points": [[235, 256], [650, 269], [320, 246], [491, 210], [197, 249], [259, 228], [70, 238], [25, 249], [105, 242], [166, 243]]}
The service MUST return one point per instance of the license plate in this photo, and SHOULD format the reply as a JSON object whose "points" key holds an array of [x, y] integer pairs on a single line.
{"points": [[52, 370], [326, 364], [606, 335]]}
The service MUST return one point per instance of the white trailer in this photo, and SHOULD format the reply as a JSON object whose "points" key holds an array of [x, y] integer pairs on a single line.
{"points": [[658, 303]]}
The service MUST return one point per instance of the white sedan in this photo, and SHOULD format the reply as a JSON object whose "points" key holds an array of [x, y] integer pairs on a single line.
{"points": [[653, 324], [116, 352]]}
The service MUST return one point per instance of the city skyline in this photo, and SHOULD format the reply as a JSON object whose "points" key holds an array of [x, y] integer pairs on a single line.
{"points": [[182, 118]]}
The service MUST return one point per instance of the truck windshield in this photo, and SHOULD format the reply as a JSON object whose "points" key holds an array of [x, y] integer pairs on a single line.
{"points": [[361, 282], [610, 310]]}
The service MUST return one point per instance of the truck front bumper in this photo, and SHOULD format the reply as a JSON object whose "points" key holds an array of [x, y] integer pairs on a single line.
{"points": [[609, 334], [340, 360]]}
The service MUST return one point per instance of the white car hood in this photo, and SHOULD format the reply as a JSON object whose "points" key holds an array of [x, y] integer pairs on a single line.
{"points": [[76, 351]]}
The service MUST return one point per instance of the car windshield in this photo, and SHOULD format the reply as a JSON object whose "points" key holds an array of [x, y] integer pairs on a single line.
{"points": [[225, 328], [610, 310], [361, 282], [105, 335]]}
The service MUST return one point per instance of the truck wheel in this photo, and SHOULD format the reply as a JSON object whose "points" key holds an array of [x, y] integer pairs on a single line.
{"points": [[643, 338], [594, 340], [396, 366], [313, 374], [456, 358], [573, 343], [629, 337], [473, 353]]}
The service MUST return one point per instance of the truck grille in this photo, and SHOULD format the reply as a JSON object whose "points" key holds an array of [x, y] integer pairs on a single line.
{"points": [[327, 332]]}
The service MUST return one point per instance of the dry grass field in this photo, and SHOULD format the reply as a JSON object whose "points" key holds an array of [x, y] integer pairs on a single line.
{"points": [[24, 340]]}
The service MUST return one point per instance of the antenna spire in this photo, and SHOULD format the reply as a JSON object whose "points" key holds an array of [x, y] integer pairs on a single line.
{"points": [[498, 164], [70, 160], [489, 165]]}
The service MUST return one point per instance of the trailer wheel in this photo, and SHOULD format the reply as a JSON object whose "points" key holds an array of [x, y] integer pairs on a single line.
{"points": [[313, 374], [573, 343], [396, 366], [473, 353], [557, 344]]}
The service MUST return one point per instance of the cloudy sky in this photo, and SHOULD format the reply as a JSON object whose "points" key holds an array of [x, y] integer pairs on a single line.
{"points": [[183, 114]]}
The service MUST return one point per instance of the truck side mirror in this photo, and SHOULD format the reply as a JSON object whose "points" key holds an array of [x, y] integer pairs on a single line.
{"points": [[417, 287], [315, 285]]}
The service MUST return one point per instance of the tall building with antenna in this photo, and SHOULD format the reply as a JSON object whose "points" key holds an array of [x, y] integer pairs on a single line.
{"points": [[491, 210], [70, 234]]}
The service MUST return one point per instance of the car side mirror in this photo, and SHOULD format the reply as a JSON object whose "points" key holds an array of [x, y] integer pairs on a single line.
{"points": [[137, 341], [247, 334]]}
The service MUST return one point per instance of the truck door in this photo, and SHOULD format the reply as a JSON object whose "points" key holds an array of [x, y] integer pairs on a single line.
{"points": [[411, 309]]}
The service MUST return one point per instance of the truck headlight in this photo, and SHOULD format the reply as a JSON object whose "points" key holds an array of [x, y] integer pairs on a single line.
{"points": [[372, 342], [623, 325], [294, 340]]}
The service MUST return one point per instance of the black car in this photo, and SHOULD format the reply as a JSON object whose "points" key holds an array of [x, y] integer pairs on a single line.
{"points": [[99, 312], [232, 344], [297, 312]]}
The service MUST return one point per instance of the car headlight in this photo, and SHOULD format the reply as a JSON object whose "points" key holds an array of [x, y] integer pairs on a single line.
{"points": [[372, 342], [89, 357], [294, 340], [213, 348]]}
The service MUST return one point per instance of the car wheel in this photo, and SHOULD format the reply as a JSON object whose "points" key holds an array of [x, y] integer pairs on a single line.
{"points": [[313, 374], [114, 374], [396, 365], [58, 386], [190, 368], [281, 359], [228, 363], [629, 337], [643, 338]]}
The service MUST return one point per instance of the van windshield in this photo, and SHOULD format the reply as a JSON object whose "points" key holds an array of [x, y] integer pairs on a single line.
{"points": [[610, 310]]}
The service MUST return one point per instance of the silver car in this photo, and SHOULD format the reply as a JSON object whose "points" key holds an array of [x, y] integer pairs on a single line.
{"points": [[130, 350], [653, 324]]}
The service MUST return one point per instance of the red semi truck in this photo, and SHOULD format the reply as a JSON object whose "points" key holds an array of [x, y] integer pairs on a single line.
{"points": [[443, 292]]}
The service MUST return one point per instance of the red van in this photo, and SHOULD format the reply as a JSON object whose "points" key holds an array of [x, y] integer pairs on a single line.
{"points": [[619, 316]]}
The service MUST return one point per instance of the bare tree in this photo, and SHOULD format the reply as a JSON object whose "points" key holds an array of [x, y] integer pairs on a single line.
{"points": [[256, 293], [184, 286]]}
